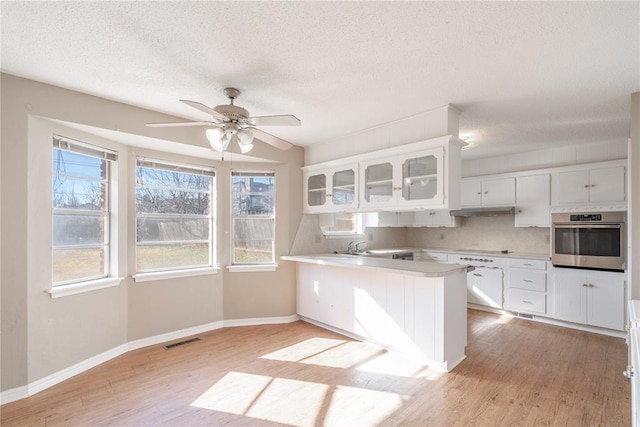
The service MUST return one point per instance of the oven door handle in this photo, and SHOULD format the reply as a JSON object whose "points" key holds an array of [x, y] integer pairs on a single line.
{"points": [[586, 225]]}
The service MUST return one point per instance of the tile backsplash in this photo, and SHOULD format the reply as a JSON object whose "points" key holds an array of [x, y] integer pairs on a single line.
{"points": [[488, 233], [480, 232]]}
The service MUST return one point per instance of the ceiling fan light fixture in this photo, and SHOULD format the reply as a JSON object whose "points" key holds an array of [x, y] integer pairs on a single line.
{"points": [[218, 139], [245, 139]]}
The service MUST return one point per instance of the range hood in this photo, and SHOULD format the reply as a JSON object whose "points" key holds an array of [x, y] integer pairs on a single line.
{"points": [[493, 211]]}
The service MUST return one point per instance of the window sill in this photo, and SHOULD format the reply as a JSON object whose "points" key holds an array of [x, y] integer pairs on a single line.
{"points": [[174, 274], [79, 288], [251, 268]]}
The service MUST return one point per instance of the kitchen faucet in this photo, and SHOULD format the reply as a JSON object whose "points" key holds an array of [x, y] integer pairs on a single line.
{"points": [[351, 245]]}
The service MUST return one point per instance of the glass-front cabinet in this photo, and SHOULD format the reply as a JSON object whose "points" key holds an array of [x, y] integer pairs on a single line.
{"points": [[410, 180], [330, 190]]}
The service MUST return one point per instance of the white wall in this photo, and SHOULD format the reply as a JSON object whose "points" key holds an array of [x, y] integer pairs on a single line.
{"points": [[41, 335], [634, 192]]}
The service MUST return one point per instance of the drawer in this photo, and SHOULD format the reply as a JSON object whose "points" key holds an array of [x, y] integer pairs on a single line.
{"points": [[535, 264], [534, 302], [528, 279]]}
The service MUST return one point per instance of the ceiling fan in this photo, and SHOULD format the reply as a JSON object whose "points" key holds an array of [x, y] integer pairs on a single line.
{"points": [[232, 123]]}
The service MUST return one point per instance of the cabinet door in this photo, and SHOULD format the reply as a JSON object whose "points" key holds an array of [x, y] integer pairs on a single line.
{"points": [[442, 218], [484, 287], [606, 301], [421, 178], [607, 184], [377, 183], [533, 200], [570, 297], [499, 191], [315, 192], [471, 193], [572, 187], [343, 188], [395, 219]]}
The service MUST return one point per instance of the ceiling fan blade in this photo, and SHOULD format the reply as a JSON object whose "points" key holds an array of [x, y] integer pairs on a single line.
{"points": [[270, 139], [204, 108], [176, 124], [283, 120]]}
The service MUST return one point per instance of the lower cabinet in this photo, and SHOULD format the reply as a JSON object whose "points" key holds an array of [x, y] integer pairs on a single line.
{"points": [[527, 286], [595, 298], [484, 286], [422, 317]]}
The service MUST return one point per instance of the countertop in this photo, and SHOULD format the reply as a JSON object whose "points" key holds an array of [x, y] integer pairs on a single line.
{"points": [[412, 268]]}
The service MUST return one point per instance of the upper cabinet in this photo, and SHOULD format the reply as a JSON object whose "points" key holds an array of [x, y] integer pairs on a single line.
{"points": [[488, 192], [408, 180], [533, 194], [589, 185], [422, 175]]}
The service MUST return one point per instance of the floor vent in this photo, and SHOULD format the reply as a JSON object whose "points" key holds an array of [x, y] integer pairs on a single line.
{"points": [[177, 344], [525, 316]]}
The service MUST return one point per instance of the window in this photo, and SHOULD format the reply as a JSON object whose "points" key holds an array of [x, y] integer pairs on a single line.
{"points": [[174, 216], [81, 217], [253, 217], [345, 224]]}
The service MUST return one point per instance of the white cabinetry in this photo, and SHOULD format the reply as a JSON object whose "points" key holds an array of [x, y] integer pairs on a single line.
{"points": [[432, 256], [589, 185], [533, 198], [433, 218], [527, 286], [595, 298], [403, 181], [395, 219], [423, 317], [331, 189], [488, 192], [485, 282]]}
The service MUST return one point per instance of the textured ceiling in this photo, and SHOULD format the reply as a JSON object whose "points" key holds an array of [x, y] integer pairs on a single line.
{"points": [[525, 75]]}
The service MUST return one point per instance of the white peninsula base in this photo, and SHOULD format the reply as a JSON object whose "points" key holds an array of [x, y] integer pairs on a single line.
{"points": [[421, 316]]}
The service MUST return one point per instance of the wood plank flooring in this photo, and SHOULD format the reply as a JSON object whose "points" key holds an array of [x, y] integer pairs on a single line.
{"points": [[517, 372]]}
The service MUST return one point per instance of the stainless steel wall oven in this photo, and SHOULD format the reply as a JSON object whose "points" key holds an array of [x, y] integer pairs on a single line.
{"points": [[589, 240]]}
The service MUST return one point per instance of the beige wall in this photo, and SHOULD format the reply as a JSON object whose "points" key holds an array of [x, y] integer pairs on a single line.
{"points": [[41, 335]]}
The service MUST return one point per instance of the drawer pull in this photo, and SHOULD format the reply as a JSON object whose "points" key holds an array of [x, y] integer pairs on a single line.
{"points": [[527, 264], [477, 274], [527, 280], [526, 301]]}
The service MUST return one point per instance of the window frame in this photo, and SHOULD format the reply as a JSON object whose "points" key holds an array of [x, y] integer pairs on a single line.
{"points": [[106, 278], [252, 266], [177, 271]]}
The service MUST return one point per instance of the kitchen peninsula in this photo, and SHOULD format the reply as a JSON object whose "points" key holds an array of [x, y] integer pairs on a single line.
{"points": [[416, 308]]}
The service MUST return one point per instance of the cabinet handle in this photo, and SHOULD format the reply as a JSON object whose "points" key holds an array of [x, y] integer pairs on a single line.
{"points": [[586, 186], [585, 285], [627, 327], [479, 192], [527, 280], [526, 301], [485, 192], [592, 185], [628, 373], [477, 274], [527, 264]]}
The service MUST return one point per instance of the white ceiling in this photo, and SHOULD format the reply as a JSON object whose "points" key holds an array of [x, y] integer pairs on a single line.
{"points": [[525, 75]]}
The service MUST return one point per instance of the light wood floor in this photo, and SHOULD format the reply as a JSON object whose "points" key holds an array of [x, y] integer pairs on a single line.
{"points": [[517, 373]]}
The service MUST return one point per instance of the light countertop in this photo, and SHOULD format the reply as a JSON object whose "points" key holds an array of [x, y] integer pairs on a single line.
{"points": [[413, 268]]}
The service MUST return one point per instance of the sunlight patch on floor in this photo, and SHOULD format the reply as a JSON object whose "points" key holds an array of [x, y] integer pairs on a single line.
{"points": [[393, 363], [351, 406], [280, 400], [298, 403], [303, 350]]}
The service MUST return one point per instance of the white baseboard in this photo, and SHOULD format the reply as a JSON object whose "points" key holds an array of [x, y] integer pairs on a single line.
{"points": [[37, 386], [171, 336], [14, 394], [261, 321]]}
